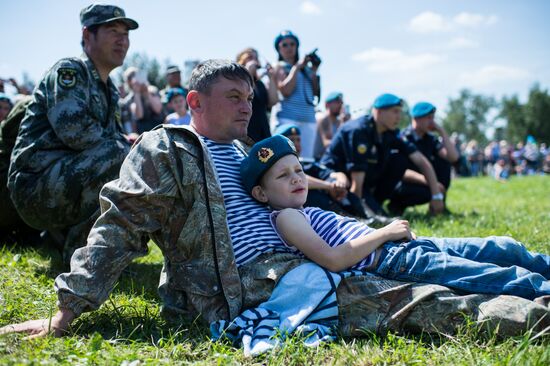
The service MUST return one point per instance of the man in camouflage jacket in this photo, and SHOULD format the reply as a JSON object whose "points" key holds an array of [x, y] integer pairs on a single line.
{"points": [[168, 190], [71, 140]]}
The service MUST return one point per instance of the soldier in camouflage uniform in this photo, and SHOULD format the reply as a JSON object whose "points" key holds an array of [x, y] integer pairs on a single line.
{"points": [[168, 191], [71, 140]]}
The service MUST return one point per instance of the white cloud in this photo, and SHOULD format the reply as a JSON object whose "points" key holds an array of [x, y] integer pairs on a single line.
{"points": [[386, 60], [472, 20], [310, 8], [430, 22], [462, 42], [427, 22], [492, 74]]}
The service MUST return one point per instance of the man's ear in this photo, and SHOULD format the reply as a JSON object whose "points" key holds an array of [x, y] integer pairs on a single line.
{"points": [[259, 194], [194, 101]]}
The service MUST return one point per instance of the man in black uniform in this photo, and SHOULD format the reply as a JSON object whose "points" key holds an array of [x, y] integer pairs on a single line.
{"points": [[374, 158], [440, 152]]}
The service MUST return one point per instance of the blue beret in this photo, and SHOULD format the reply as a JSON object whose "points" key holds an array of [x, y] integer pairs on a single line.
{"points": [[287, 129], [262, 156], [422, 109], [173, 92], [334, 96], [386, 101], [4, 96], [285, 34]]}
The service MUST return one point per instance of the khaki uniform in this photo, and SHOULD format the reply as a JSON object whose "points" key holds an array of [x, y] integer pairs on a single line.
{"points": [[69, 145], [168, 191]]}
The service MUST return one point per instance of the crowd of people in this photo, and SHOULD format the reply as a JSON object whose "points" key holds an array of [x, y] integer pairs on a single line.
{"points": [[501, 159], [179, 183]]}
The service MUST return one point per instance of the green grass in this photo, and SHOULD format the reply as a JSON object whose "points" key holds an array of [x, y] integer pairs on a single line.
{"points": [[128, 329]]}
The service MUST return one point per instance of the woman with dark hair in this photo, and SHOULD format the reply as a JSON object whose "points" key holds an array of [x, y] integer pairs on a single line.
{"points": [[298, 83], [265, 96]]}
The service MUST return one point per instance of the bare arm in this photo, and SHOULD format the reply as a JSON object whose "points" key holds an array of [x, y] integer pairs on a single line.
{"points": [[286, 83], [325, 130], [357, 181], [295, 230], [449, 151], [153, 99], [272, 96]]}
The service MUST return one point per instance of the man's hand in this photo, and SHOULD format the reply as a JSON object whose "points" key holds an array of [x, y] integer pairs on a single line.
{"points": [[337, 191], [57, 326], [436, 207]]}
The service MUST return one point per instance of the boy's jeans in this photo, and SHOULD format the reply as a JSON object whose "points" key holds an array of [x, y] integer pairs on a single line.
{"points": [[495, 265]]}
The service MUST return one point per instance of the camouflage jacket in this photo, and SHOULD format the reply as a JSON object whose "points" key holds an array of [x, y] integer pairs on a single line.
{"points": [[168, 190], [72, 110]]}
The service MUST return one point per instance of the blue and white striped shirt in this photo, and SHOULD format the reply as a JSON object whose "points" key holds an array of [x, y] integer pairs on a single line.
{"points": [[248, 220], [334, 230]]}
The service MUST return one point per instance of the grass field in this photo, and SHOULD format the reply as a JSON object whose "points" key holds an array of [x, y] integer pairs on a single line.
{"points": [[128, 330]]}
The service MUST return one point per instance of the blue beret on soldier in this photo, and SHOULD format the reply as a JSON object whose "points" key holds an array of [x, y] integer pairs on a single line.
{"points": [[283, 35], [387, 101], [263, 155], [287, 129], [96, 14], [422, 109]]}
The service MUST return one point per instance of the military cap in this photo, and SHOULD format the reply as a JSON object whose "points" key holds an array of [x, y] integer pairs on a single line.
{"points": [[172, 69], [422, 109], [95, 14], [5, 97], [172, 92], [285, 34], [387, 101], [333, 97], [287, 130], [263, 155]]}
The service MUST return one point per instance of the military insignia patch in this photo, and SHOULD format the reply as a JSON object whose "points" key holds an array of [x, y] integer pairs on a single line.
{"points": [[264, 154], [66, 78], [361, 148], [117, 13]]}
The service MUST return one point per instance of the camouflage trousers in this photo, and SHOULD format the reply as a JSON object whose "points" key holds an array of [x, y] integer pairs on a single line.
{"points": [[372, 304], [64, 199]]}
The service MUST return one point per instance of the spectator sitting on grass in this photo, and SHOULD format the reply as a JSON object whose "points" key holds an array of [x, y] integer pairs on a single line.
{"points": [[273, 175]]}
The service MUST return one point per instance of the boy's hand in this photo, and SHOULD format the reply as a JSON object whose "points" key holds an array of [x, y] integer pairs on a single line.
{"points": [[397, 230]]}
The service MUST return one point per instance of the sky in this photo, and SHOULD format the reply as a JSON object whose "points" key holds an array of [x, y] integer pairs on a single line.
{"points": [[419, 50]]}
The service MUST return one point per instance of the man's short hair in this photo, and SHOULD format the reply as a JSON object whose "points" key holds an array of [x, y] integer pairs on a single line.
{"points": [[206, 74]]}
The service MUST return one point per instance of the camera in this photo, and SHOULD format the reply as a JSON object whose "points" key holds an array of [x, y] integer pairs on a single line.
{"points": [[313, 58]]}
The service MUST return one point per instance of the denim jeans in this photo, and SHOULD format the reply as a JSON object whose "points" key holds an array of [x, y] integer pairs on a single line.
{"points": [[494, 265]]}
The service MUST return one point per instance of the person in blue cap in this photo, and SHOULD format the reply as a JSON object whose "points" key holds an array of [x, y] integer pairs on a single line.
{"points": [[298, 84], [328, 189], [440, 152], [373, 156], [273, 175], [328, 123]]}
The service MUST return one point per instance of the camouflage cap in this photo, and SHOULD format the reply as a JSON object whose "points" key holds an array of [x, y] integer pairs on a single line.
{"points": [[101, 13]]}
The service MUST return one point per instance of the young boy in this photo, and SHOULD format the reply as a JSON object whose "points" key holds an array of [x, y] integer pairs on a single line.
{"points": [[176, 101], [273, 175]]}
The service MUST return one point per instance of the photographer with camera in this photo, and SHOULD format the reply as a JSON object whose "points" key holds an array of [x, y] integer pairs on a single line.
{"points": [[298, 83]]}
